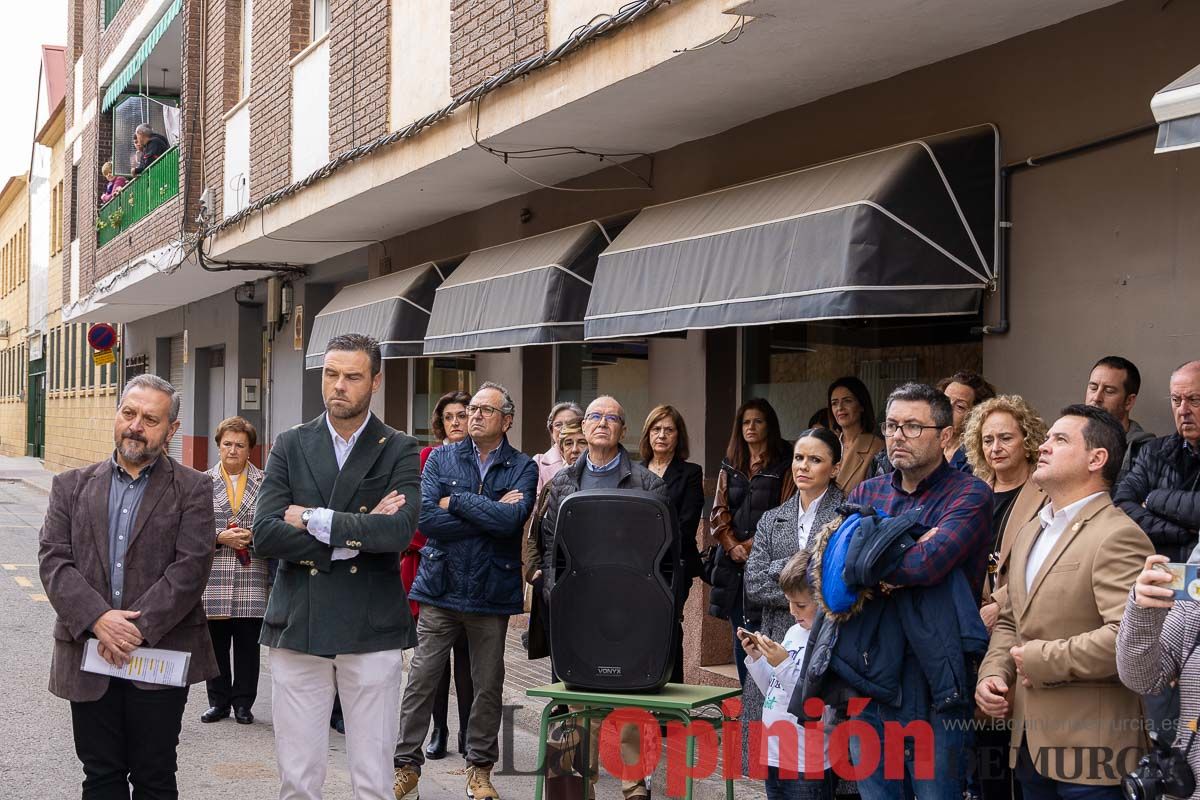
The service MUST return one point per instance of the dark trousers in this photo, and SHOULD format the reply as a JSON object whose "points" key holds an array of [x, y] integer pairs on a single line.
{"points": [[1035, 786], [126, 737], [799, 787], [737, 619], [237, 687], [464, 689]]}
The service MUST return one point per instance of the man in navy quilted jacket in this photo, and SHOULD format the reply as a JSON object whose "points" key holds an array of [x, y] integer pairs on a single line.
{"points": [[475, 498]]}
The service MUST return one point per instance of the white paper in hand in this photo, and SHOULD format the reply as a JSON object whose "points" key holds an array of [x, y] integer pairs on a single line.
{"points": [[146, 664]]}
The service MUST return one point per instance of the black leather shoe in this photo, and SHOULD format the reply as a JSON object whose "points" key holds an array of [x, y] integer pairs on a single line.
{"points": [[437, 744], [215, 714], [338, 724], [462, 742], [243, 716]]}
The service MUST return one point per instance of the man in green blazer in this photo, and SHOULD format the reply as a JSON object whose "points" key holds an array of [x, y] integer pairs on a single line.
{"points": [[339, 503]]}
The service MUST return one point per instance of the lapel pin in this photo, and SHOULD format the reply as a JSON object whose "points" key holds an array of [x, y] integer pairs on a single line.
{"points": [[382, 439]]}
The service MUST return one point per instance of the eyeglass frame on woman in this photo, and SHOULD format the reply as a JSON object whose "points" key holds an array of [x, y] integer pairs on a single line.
{"points": [[900, 428], [611, 419], [450, 416]]}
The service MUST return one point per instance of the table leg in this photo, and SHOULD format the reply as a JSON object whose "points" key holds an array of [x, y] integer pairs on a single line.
{"points": [[539, 781]]}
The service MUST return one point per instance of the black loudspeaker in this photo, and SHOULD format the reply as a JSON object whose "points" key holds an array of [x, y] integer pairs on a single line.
{"points": [[617, 590]]}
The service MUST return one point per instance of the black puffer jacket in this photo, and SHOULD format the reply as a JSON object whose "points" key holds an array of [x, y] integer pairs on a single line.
{"points": [[748, 499], [1162, 495]]}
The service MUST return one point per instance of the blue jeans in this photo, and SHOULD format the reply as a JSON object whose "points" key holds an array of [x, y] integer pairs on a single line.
{"points": [[1035, 786], [951, 754], [797, 788]]}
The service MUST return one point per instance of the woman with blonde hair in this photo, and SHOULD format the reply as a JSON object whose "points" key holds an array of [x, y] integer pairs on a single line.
{"points": [[113, 184], [1001, 437]]}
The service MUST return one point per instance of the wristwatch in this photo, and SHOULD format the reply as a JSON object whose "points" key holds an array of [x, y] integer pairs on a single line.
{"points": [[306, 515]]}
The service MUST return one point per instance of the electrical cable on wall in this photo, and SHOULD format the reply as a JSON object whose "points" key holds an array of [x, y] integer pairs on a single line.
{"points": [[563, 150], [600, 25]]}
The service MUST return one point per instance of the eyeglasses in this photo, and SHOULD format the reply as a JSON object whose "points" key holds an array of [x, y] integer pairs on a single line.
{"points": [[911, 430], [1193, 401], [486, 411], [611, 419], [451, 416]]}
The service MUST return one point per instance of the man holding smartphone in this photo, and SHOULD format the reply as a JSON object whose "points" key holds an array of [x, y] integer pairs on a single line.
{"points": [[1052, 663]]}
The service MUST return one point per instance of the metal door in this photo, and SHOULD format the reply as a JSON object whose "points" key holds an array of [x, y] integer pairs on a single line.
{"points": [[36, 446]]}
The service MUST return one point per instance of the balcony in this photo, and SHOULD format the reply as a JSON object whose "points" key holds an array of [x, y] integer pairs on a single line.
{"points": [[111, 7], [158, 184]]}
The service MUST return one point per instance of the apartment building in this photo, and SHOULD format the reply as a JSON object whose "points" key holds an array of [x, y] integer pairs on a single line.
{"points": [[692, 202], [14, 290]]}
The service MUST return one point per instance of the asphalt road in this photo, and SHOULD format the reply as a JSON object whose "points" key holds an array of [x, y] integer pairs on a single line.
{"points": [[216, 761]]}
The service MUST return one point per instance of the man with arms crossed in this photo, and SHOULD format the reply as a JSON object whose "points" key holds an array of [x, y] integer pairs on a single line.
{"points": [[338, 505]]}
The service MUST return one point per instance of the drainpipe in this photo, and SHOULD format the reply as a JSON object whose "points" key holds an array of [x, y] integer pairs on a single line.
{"points": [[1006, 172]]}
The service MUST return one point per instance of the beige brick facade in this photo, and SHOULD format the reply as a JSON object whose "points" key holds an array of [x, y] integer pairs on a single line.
{"points": [[79, 429], [80, 399]]}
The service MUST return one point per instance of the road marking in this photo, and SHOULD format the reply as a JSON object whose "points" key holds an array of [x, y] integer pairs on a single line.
{"points": [[23, 582], [39, 598], [11, 567]]}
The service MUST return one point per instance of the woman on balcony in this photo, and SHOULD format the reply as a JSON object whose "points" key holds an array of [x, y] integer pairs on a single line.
{"points": [[112, 183]]}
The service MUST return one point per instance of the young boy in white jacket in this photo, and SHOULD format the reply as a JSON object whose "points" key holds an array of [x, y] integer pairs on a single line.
{"points": [[775, 667]]}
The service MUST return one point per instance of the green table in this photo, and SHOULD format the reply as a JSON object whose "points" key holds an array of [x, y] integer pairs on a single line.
{"points": [[676, 702]]}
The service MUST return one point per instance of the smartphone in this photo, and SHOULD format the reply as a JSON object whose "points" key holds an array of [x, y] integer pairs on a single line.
{"points": [[1185, 579]]}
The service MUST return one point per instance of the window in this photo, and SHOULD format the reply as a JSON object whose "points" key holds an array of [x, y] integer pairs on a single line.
{"points": [[583, 372], [74, 201], [247, 35], [320, 18], [792, 365], [56, 219], [71, 382], [51, 364]]}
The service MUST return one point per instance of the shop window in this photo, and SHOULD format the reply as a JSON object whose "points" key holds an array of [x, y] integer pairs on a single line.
{"points": [[583, 372], [792, 365], [432, 378]]}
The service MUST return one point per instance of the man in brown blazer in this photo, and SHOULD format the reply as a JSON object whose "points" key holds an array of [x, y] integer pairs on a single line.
{"points": [[1052, 661], [125, 553]]}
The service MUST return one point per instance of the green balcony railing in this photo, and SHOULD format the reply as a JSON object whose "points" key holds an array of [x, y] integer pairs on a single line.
{"points": [[158, 184], [111, 7]]}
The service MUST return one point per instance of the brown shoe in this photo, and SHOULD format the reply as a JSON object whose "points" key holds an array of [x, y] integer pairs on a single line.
{"points": [[405, 787], [479, 784]]}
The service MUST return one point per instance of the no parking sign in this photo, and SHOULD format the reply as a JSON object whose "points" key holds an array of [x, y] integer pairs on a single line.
{"points": [[102, 337]]}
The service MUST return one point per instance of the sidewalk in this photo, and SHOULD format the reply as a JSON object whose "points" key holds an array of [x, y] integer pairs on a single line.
{"points": [[26, 470], [445, 778]]}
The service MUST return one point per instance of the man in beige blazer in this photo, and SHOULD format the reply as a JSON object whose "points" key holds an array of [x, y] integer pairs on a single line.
{"points": [[1052, 661]]}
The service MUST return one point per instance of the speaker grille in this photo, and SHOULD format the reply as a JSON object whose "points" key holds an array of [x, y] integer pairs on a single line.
{"points": [[613, 607]]}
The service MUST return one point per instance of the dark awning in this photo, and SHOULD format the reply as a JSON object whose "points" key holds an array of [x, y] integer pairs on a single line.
{"points": [[393, 308], [531, 291], [909, 230], [1177, 110]]}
